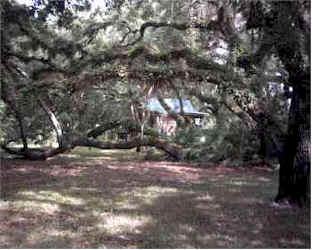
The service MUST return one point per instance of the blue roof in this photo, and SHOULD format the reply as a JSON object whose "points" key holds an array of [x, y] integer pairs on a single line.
{"points": [[154, 105]]}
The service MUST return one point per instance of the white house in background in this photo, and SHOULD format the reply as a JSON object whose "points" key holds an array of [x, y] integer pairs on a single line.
{"points": [[164, 122]]}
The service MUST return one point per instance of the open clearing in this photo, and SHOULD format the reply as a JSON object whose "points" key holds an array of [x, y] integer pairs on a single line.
{"points": [[112, 199]]}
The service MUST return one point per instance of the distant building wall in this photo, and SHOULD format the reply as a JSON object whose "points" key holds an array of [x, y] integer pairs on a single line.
{"points": [[166, 124]]}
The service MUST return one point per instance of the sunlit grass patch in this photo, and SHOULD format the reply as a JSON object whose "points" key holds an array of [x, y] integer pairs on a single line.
{"points": [[149, 194], [89, 152], [51, 196], [295, 242], [238, 182], [112, 155], [30, 203], [153, 192], [121, 223], [136, 198]]}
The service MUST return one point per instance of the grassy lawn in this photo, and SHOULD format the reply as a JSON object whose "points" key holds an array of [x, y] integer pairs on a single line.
{"points": [[114, 199]]}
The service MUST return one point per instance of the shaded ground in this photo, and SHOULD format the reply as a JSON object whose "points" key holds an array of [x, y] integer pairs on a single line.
{"points": [[112, 199]]}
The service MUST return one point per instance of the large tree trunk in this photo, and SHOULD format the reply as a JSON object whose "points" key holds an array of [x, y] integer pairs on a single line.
{"points": [[8, 95], [294, 176], [290, 24]]}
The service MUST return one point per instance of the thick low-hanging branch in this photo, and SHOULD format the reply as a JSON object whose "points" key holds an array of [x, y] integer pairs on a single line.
{"points": [[162, 144], [27, 59], [103, 128], [170, 148], [102, 77], [194, 62]]}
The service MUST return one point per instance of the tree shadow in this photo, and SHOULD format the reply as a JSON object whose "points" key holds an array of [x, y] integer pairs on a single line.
{"points": [[143, 205]]}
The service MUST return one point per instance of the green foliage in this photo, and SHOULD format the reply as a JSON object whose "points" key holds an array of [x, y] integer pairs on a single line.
{"points": [[188, 136], [103, 67], [136, 50], [234, 143]]}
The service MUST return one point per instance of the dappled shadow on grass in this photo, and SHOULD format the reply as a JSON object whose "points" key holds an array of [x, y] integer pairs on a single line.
{"points": [[121, 204], [83, 154]]}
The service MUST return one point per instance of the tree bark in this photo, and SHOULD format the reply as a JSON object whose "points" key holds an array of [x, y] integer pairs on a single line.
{"points": [[294, 176], [56, 125], [172, 149], [36, 154], [289, 42], [8, 95], [103, 128]]}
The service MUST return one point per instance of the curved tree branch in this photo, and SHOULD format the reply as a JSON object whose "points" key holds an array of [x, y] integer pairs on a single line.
{"points": [[102, 129], [56, 125], [210, 26], [172, 149]]}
